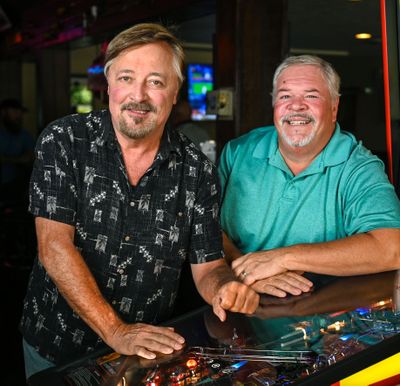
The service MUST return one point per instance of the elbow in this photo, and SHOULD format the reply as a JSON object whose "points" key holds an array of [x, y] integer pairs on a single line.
{"points": [[393, 249]]}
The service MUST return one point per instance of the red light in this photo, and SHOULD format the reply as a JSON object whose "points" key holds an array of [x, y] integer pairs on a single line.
{"points": [[18, 38], [191, 363]]}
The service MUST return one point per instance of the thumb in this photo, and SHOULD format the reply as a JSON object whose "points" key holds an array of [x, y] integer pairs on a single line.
{"points": [[218, 310]]}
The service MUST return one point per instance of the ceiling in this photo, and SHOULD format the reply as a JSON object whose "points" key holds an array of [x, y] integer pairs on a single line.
{"points": [[326, 25], [315, 26], [43, 23]]}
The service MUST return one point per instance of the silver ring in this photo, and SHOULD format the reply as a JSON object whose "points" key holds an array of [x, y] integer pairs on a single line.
{"points": [[244, 274]]}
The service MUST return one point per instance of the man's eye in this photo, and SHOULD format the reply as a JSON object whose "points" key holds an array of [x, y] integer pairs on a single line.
{"points": [[156, 82], [312, 96], [284, 97], [124, 78]]}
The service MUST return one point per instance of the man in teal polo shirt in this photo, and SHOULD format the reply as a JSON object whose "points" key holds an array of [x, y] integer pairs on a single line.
{"points": [[304, 196]]}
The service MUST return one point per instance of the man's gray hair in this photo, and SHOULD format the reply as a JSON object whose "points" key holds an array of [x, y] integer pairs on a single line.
{"points": [[328, 72], [140, 35]]}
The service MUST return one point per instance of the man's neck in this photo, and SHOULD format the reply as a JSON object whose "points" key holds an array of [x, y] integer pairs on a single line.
{"points": [[138, 154], [298, 159]]}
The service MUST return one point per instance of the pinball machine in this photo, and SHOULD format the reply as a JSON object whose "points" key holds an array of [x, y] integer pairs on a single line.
{"points": [[345, 329]]}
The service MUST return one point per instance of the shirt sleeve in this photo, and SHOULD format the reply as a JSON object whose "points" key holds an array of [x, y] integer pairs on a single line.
{"points": [[206, 240], [224, 167], [370, 201], [52, 189]]}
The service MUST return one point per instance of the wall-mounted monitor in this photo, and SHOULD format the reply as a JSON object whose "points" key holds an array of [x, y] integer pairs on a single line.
{"points": [[200, 80]]}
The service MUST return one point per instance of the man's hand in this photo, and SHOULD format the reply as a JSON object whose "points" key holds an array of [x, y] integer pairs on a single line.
{"points": [[145, 340], [260, 265], [292, 283], [236, 297], [218, 286]]}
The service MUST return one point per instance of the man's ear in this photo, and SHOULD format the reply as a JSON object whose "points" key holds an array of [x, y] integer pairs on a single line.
{"points": [[335, 109]]}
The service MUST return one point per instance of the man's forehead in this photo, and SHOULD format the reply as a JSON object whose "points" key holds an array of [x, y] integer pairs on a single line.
{"points": [[301, 75], [298, 70]]}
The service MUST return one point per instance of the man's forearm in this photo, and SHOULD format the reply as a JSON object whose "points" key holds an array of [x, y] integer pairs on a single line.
{"points": [[209, 284], [67, 269], [230, 249], [370, 252]]}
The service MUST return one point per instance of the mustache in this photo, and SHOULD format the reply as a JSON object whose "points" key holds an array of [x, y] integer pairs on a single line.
{"points": [[143, 106], [289, 117]]}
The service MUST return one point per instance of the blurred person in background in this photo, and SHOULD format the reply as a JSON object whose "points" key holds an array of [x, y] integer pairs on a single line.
{"points": [[16, 153]]}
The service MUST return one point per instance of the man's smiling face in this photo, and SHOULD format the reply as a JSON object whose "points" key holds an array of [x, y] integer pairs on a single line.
{"points": [[304, 112], [142, 87]]}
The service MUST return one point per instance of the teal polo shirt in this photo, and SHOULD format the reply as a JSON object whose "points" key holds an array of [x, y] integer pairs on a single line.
{"points": [[344, 191]]}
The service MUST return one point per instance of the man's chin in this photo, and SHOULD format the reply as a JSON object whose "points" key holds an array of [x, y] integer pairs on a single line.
{"points": [[297, 141]]}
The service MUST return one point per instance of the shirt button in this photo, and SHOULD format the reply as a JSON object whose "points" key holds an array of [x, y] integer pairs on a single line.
{"points": [[127, 238], [120, 271], [180, 214], [132, 203], [114, 302]]}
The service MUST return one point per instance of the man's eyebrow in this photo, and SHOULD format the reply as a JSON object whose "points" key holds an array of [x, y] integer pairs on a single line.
{"points": [[311, 90], [125, 71], [284, 89], [154, 73]]}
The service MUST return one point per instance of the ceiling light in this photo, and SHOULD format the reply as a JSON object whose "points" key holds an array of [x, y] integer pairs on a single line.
{"points": [[363, 35]]}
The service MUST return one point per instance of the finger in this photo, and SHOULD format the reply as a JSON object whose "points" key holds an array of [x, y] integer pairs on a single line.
{"points": [[268, 289], [239, 298], [250, 277], [169, 332], [219, 311], [227, 296], [159, 343], [159, 339], [238, 270], [293, 285], [239, 261], [144, 353], [251, 303], [300, 278]]}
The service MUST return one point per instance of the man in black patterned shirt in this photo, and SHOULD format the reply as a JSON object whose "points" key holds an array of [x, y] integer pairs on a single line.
{"points": [[120, 202]]}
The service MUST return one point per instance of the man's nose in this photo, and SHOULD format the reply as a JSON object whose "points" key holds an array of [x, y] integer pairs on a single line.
{"points": [[138, 92], [298, 102]]}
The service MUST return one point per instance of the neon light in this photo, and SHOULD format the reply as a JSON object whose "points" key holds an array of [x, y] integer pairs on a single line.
{"points": [[239, 364], [386, 91]]}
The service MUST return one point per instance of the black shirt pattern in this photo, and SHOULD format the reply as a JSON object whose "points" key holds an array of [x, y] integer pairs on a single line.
{"points": [[133, 238]]}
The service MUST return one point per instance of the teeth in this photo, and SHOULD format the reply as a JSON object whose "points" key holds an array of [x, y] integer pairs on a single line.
{"points": [[298, 122]]}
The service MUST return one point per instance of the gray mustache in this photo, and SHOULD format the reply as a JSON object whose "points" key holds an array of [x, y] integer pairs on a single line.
{"points": [[139, 106], [298, 115]]}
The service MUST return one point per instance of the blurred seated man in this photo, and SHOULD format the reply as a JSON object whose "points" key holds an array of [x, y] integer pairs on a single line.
{"points": [[303, 195], [16, 152], [182, 120]]}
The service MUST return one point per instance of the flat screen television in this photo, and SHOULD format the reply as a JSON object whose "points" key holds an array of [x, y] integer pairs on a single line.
{"points": [[200, 80]]}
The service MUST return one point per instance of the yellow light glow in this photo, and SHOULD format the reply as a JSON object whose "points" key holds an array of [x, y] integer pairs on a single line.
{"points": [[363, 35]]}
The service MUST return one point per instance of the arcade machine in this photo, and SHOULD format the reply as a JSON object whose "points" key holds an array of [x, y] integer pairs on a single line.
{"points": [[346, 332]]}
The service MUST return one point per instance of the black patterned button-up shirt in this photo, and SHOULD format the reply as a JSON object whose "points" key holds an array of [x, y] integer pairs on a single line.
{"points": [[134, 239]]}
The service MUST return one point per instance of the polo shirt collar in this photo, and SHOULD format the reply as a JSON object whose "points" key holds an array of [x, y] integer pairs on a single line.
{"points": [[267, 146], [334, 153]]}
